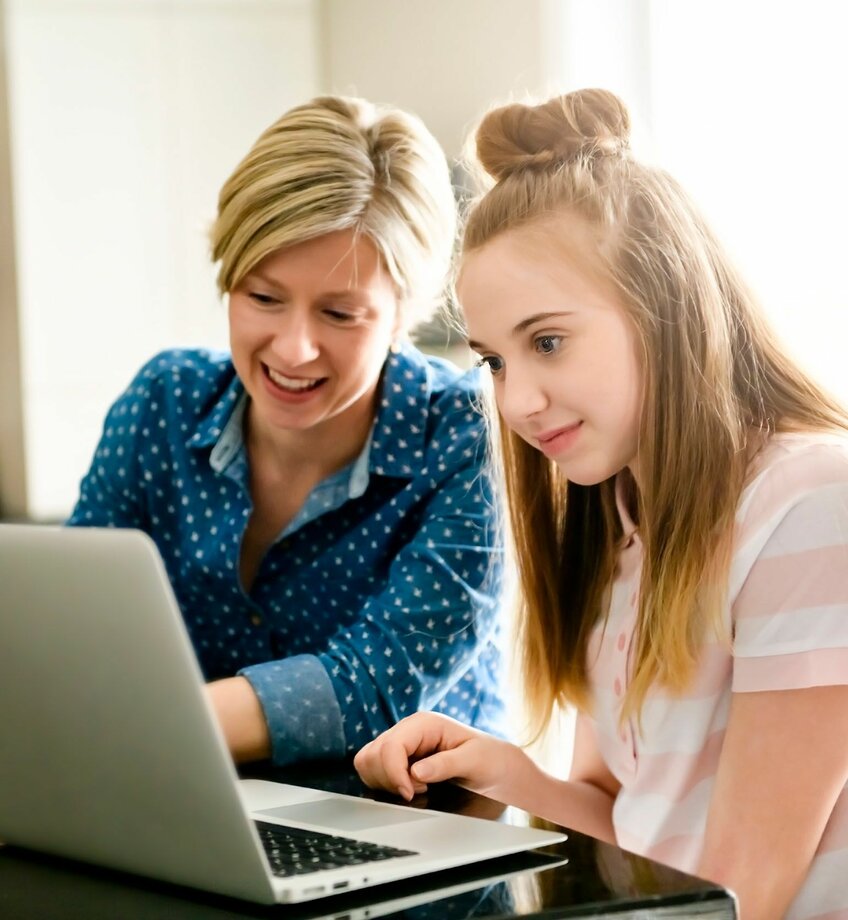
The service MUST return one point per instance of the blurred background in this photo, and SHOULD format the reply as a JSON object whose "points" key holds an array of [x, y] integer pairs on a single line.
{"points": [[120, 119]]}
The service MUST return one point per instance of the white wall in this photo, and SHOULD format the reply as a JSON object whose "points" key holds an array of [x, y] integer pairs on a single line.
{"points": [[125, 118], [445, 60]]}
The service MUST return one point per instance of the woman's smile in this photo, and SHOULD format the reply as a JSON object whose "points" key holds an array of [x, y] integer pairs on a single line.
{"points": [[292, 385]]}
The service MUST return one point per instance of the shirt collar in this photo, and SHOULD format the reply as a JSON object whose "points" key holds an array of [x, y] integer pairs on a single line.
{"points": [[228, 457], [211, 426], [395, 446]]}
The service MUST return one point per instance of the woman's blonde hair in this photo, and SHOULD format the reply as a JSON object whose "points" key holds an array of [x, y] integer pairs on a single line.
{"points": [[716, 383], [339, 163]]}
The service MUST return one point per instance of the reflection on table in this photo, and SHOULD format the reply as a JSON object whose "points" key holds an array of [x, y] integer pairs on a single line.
{"points": [[580, 877]]}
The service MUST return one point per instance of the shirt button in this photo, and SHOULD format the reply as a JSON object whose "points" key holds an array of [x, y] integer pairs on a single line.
{"points": [[256, 619], [617, 687], [621, 641]]}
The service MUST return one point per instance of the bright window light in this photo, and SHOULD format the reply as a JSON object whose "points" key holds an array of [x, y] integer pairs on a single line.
{"points": [[744, 102]]}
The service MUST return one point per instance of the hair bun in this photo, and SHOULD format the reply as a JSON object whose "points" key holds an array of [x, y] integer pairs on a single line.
{"points": [[588, 122]]}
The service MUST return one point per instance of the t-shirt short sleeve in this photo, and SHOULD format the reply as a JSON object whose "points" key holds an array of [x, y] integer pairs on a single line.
{"points": [[790, 612]]}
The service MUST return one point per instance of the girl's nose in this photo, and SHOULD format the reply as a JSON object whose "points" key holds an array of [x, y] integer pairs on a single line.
{"points": [[519, 397]]}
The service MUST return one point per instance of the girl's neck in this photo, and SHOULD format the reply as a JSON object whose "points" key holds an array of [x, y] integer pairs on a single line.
{"points": [[630, 494]]}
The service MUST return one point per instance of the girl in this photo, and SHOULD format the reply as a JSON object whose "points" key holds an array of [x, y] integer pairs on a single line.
{"points": [[678, 490]]}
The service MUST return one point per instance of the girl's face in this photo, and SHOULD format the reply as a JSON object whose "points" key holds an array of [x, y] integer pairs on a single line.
{"points": [[561, 351]]}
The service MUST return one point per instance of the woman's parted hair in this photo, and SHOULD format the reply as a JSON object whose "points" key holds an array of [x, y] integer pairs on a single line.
{"points": [[339, 163], [716, 383]]}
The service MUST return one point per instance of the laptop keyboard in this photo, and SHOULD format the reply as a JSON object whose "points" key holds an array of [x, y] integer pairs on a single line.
{"points": [[293, 851]]}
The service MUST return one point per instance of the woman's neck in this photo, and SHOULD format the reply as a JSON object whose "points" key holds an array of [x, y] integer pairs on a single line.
{"points": [[314, 453]]}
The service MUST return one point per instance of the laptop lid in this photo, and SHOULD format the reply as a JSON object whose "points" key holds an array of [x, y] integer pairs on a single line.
{"points": [[111, 764], [107, 737]]}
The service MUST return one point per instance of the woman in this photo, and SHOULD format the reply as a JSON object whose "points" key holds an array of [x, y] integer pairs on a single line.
{"points": [[318, 496], [678, 490]]}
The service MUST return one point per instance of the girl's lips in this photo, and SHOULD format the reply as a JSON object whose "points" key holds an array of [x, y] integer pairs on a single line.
{"points": [[559, 440]]}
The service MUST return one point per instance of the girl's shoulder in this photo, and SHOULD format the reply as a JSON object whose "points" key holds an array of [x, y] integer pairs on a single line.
{"points": [[791, 466], [795, 503]]}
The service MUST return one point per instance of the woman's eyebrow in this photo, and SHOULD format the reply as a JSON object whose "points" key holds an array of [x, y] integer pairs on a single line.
{"points": [[348, 294], [266, 279], [524, 324]]}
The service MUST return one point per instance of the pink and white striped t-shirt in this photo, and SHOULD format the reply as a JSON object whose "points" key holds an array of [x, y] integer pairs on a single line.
{"points": [[788, 615]]}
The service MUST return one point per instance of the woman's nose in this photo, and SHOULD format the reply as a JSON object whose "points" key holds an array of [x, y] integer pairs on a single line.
{"points": [[296, 342]]}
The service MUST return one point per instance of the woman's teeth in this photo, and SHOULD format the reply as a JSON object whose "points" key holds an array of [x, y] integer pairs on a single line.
{"points": [[294, 384]]}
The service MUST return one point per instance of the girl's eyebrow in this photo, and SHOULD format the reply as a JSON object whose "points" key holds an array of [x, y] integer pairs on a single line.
{"points": [[524, 324]]}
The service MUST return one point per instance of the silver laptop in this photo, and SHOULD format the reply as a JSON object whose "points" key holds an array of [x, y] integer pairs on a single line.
{"points": [[109, 752]]}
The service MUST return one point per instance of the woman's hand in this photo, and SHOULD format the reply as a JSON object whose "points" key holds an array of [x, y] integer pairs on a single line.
{"points": [[429, 748]]}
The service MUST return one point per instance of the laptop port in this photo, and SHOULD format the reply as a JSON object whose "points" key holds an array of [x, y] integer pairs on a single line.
{"points": [[339, 885]]}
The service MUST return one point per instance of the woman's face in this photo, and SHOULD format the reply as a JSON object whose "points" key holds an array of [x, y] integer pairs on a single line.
{"points": [[310, 328], [562, 353]]}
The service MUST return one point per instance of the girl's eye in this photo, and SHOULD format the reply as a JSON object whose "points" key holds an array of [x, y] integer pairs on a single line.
{"points": [[547, 344], [494, 363]]}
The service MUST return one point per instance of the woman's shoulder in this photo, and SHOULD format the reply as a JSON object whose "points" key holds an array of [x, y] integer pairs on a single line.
{"points": [[191, 372], [196, 363], [435, 378], [179, 381]]}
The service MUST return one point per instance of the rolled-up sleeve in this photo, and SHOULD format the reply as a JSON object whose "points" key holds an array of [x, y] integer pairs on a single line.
{"points": [[412, 642]]}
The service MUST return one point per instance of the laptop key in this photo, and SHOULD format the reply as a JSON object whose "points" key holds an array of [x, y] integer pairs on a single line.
{"points": [[294, 851]]}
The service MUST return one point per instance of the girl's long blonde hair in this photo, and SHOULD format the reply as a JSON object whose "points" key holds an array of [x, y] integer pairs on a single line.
{"points": [[716, 384]]}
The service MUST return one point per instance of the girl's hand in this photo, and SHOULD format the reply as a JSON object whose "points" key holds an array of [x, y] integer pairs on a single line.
{"points": [[429, 748]]}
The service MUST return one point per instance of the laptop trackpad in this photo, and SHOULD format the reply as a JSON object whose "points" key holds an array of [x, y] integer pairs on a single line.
{"points": [[341, 815]]}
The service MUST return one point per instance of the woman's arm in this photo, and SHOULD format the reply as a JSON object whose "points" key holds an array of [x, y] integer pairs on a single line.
{"points": [[783, 764], [426, 627], [240, 716]]}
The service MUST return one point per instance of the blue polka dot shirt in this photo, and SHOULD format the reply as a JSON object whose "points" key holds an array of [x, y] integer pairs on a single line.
{"points": [[380, 598]]}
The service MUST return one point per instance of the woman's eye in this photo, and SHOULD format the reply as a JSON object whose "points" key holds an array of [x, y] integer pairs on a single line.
{"points": [[494, 363], [339, 315], [547, 344], [263, 299]]}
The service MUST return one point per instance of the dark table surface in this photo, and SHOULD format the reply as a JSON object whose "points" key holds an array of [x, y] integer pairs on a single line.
{"points": [[580, 877]]}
